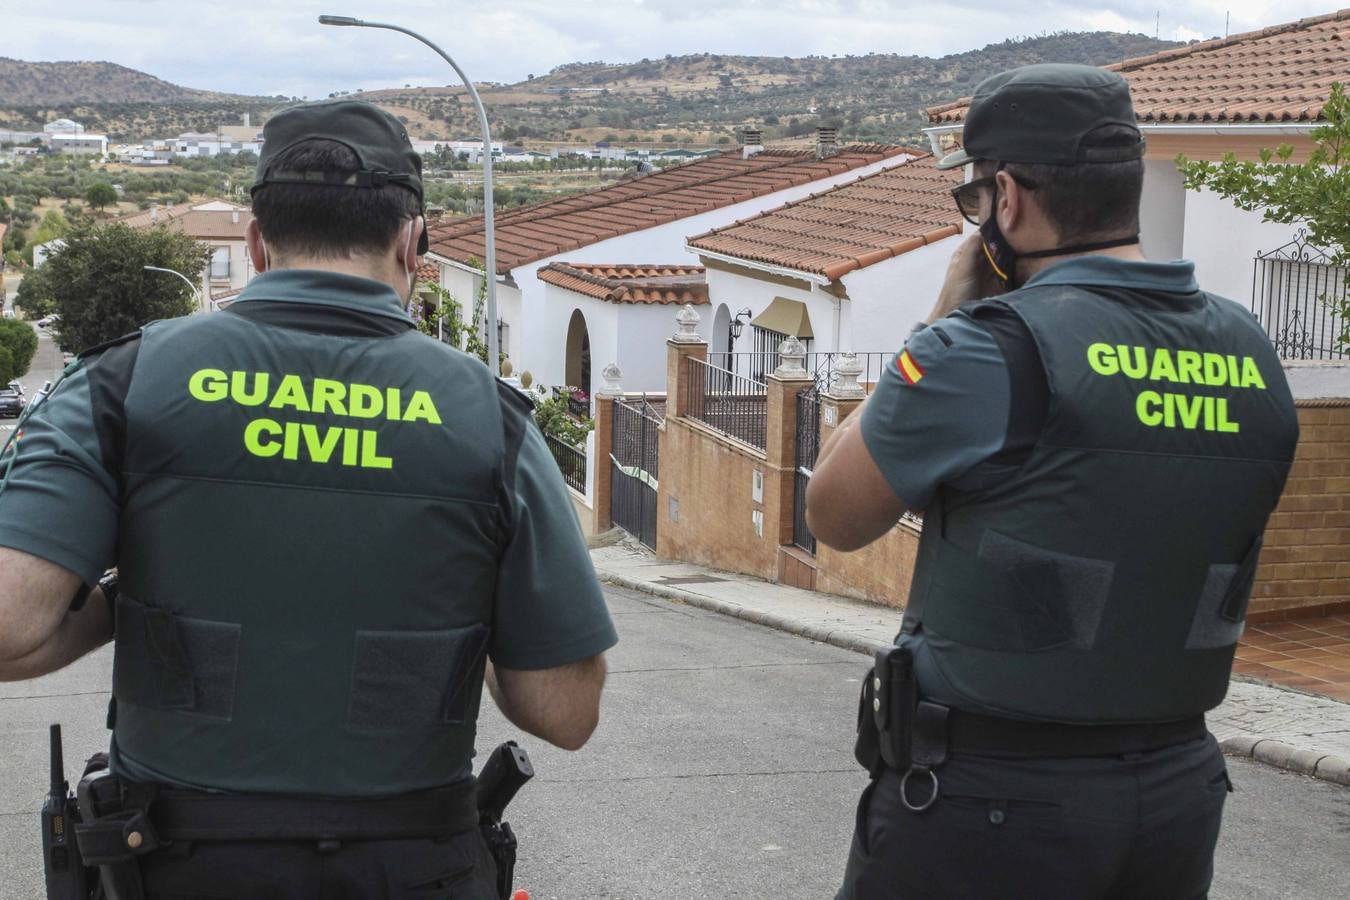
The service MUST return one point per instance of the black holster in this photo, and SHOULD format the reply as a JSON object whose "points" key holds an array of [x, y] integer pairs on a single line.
{"points": [[115, 829], [896, 729]]}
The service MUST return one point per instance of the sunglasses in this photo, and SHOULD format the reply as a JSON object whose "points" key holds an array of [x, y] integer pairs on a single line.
{"points": [[967, 196]]}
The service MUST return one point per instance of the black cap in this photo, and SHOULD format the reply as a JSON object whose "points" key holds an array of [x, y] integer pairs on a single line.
{"points": [[384, 152], [1046, 114]]}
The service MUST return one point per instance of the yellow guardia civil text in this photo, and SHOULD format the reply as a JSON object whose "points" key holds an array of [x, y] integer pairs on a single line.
{"points": [[272, 436], [1173, 408]]}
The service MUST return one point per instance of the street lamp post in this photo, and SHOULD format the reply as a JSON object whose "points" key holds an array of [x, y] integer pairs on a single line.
{"points": [[196, 291], [489, 219]]}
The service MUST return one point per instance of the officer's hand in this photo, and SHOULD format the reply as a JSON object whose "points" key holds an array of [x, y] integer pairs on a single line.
{"points": [[969, 277]]}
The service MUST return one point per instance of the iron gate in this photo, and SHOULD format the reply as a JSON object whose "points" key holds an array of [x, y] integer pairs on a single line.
{"points": [[808, 446], [636, 458], [1297, 295]]}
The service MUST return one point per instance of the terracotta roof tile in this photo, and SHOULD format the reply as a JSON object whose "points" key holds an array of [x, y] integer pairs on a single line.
{"points": [[1278, 74], [630, 283], [848, 227], [530, 233], [198, 223], [428, 273]]}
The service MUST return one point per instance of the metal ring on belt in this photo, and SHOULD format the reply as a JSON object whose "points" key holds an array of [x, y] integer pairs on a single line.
{"points": [[904, 789]]}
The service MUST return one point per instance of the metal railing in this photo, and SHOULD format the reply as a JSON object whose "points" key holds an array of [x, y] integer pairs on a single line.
{"points": [[808, 447], [571, 462], [636, 456], [819, 365], [730, 403], [1298, 295]]}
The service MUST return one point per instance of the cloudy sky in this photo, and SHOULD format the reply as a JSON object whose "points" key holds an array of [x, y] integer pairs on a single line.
{"points": [[277, 47]]}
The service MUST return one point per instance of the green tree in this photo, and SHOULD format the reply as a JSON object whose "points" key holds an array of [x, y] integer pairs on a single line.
{"points": [[18, 344], [102, 290], [100, 194], [53, 226], [1315, 194], [34, 296]]}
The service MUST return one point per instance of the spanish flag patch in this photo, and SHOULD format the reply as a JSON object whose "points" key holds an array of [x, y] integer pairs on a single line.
{"points": [[908, 368]]}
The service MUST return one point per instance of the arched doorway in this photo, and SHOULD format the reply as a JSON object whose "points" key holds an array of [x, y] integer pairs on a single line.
{"points": [[578, 368], [721, 331]]}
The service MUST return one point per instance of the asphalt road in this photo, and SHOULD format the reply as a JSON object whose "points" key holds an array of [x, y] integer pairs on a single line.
{"points": [[722, 768]]}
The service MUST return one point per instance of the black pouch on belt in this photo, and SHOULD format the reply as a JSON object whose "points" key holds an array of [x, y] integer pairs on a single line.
{"points": [[886, 712]]}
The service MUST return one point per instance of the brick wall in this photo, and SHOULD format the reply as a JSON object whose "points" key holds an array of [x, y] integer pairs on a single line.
{"points": [[1305, 565]]}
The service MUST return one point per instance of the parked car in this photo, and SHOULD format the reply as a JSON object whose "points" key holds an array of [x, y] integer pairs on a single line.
{"points": [[48, 320], [15, 387], [9, 314], [11, 404]]}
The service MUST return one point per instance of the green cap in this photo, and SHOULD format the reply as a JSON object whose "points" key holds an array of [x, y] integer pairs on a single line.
{"points": [[380, 142], [1046, 114]]}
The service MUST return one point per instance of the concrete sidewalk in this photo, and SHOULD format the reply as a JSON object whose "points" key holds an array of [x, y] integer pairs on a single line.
{"points": [[1301, 732]]}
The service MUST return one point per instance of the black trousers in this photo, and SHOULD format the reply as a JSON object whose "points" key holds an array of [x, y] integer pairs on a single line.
{"points": [[457, 868], [1102, 828]]}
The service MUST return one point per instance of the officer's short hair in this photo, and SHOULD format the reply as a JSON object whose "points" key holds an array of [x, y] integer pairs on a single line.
{"points": [[329, 221], [1090, 200]]}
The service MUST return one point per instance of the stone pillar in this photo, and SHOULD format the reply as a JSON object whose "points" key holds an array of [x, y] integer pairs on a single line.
{"points": [[780, 446], [684, 345], [609, 392], [843, 396]]}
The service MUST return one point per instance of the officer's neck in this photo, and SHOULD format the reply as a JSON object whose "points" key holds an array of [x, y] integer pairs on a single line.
{"points": [[384, 269], [1027, 268]]}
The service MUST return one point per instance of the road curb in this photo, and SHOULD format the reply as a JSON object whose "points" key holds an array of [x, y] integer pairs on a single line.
{"points": [[1263, 750], [1290, 758], [834, 637]]}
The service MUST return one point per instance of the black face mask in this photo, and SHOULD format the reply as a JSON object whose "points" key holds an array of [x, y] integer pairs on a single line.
{"points": [[1003, 258]]}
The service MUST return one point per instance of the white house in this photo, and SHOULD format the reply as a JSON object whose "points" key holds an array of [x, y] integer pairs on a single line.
{"points": [[849, 269], [1233, 95], [620, 314], [192, 143], [643, 219], [218, 224]]}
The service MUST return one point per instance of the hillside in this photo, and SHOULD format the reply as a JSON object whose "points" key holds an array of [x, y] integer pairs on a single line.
{"points": [[122, 102], [702, 98], [699, 99]]}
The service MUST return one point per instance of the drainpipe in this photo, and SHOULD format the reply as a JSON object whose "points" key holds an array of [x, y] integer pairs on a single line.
{"points": [[838, 316]]}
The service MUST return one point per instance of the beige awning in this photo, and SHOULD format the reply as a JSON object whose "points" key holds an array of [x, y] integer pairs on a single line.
{"points": [[785, 317]]}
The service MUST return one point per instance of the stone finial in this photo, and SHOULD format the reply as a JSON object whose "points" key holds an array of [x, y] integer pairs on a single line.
{"points": [[526, 379], [687, 318], [610, 375], [844, 380], [507, 368], [791, 359]]}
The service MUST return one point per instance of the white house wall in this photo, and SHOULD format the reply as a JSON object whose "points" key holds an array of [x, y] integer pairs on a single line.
{"points": [[1223, 241], [543, 345], [887, 298], [602, 328], [463, 285], [743, 291], [1162, 211]]}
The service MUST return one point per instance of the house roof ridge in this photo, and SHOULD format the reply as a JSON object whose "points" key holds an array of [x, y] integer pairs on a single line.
{"points": [[1130, 65]]}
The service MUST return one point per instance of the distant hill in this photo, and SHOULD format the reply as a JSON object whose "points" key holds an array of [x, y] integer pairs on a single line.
{"points": [[702, 97], [106, 97], [698, 99]]}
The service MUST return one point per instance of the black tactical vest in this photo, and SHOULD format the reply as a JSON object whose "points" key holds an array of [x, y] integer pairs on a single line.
{"points": [[1107, 579], [308, 555]]}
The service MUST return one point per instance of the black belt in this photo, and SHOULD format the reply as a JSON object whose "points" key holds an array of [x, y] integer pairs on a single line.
{"points": [[183, 815], [982, 735]]}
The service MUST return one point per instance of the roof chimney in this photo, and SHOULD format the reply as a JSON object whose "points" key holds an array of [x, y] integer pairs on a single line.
{"points": [[752, 142], [827, 141], [247, 119]]}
